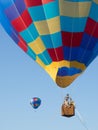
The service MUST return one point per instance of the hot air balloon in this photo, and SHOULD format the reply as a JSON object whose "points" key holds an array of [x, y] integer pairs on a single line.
{"points": [[60, 35], [35, 102]]}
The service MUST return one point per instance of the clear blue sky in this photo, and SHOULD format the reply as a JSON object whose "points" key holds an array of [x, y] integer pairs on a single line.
{"points": [[21, 79]]}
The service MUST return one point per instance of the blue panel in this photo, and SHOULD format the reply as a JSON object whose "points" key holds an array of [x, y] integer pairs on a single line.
{"points": [[88, 42], [33, 31], [46, 59], [91, 59], [31, 54], [53, 40], [47, 41], [70, 54], [94, 55], [56, 39], [66, 53], [30, 34], [94, 12], [69, 24], [80, 54], [5, 23], [39, 15], [5, 3], [64, 71], [74, 53], [95, 50], [51, 9], [7, 26], [26, 36], [84, 55], [87, 57]]}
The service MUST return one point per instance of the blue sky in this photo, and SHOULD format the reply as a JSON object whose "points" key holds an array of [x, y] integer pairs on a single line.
{"points": [[21, 79]]}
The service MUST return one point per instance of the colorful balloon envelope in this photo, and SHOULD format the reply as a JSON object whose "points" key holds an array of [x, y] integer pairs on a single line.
{"points": [[35, 102], [60, 35]]}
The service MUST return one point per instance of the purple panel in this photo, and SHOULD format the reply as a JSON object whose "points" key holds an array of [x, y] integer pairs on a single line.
{"points": [[14, 36], [20, 5], [11, 13]]}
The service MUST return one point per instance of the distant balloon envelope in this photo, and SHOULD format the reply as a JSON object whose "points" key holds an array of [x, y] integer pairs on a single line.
{"points": [[60, 35], [35, 102]]}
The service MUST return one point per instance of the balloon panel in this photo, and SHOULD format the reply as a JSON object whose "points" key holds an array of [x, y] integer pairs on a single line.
{"points": [[60, 35]]}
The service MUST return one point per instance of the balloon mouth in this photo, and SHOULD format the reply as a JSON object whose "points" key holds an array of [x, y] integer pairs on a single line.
{"points": [[65, 81], [65, 76]]}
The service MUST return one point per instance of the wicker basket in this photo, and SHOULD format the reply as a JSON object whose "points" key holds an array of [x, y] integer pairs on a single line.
{"points": [[68, 111]]}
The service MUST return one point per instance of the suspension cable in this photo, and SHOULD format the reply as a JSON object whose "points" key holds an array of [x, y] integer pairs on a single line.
{"points": [[80, 117]]}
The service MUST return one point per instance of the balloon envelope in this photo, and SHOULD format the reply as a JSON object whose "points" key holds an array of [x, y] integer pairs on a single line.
{"points": [[60, 35], [35, 102]]}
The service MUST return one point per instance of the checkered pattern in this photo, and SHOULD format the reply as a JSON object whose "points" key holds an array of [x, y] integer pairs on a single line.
{"points": [[54, 31]]}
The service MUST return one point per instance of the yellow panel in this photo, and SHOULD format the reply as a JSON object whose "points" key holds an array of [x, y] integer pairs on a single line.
{"points": [[96, 1], [37, 46], [74, 9], [42, 27], [49, 26], [54, 25], [52, 70], [69, 64]]}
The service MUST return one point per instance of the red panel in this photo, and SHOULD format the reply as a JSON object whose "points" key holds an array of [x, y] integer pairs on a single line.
{"points": [[22, 44], [22, 22], [56, 54], [71, 39], [92, 27], [30, 3]]}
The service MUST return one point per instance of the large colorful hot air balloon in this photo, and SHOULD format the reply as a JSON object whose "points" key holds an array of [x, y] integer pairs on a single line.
{"points": [[60, 35]]}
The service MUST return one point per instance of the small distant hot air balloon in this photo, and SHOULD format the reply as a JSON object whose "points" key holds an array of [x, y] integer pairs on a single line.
{"points": [[35, 102]]}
